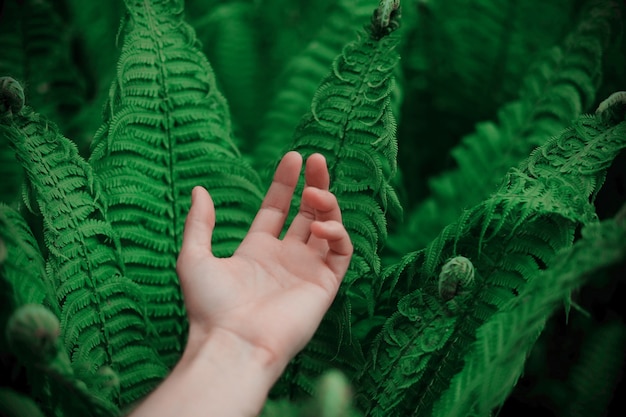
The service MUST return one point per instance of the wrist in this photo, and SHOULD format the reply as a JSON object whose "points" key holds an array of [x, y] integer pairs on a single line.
{"points": [[219, 374], [228, 346]]}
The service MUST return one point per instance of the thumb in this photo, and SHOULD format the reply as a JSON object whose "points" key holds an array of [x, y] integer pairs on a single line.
{"points": [[200, 221]]}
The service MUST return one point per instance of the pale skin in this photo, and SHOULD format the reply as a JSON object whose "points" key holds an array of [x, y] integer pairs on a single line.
{"points": [[251, 313]]}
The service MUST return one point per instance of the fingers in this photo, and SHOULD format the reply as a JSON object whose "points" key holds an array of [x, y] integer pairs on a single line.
{"points": [[200, 221], [326, 209], [339, 245], [275, 207], [316, 175], [316, 172]]}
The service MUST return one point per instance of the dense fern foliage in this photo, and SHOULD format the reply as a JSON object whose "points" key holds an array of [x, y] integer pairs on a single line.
{"points": [[476, 151], [167, 129]]}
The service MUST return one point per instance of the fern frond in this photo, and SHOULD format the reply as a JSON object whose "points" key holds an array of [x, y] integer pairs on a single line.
{"points": [[463, 61], [593, 379], [496, 360], [544, 200], [84, 258], [302, 76], [166, 130], [351, 123], [557, 89], [23, 267], [404, 351]]}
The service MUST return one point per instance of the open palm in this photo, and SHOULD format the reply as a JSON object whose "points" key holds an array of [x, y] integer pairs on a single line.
{"points": [[272, 292]]}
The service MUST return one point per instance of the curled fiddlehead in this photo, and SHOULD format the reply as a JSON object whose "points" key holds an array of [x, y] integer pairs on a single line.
{"points": [[456, 274], [11, 96]]}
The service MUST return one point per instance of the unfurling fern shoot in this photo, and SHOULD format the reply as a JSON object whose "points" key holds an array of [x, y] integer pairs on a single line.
{"points": [[386, 18], [33, 333], [11, 96], [456, 273]]}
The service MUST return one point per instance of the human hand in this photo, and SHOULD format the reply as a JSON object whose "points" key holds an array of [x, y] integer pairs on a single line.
{"points": [[272, 293]]}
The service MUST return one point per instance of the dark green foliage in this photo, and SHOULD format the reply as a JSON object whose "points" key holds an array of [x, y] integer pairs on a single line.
{"points": [[33, 336], [558, 88], [437, 314], [509, 238], [332, 397], [594, 377], [303, 74], [95, 45], [166, 130], [462, 63], [496, 360], [11, 63], [13, 404], [11, 102], [23, 267], [53, 86], [227, 33]]}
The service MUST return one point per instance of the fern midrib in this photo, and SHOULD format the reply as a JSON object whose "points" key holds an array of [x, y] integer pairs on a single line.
{"points": [[166, 112], [398, 357], [573, 162], [360, 90], [100, 302]]}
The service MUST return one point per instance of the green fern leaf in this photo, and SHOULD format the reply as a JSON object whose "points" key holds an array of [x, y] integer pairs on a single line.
{"points": [[84, 258], [542, 201], [302, 75], [496, 360], [406, 348], [23, 266], [557, 89], [351, 123], [166, 130]]}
